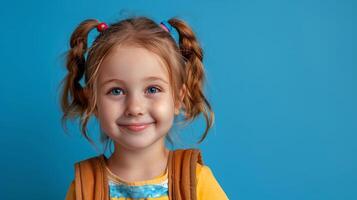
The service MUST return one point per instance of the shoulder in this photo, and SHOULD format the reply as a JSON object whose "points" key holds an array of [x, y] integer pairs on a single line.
{"points": [[207, 185], [84, 166], [89, 164], [199, 168], [202, 171], [190, 155]]}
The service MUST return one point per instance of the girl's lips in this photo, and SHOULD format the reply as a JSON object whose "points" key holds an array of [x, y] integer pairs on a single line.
{"points": [[136, 128]]}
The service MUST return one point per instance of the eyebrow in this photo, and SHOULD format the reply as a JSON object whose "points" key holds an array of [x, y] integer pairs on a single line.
{"points": [[150, 78]]}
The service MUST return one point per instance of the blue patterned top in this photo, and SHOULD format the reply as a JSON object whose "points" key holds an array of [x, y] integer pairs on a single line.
{"points": [[153, 189]]}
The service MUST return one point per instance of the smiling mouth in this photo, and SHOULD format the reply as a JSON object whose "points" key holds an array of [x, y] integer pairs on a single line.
{"points": [[136, 127]]}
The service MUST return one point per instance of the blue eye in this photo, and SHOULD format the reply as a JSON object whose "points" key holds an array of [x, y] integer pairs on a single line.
{"points": [[155, 89], [117, 90]]}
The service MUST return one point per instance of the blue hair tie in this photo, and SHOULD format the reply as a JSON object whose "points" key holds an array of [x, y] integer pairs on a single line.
{"points": [[172, 30]]}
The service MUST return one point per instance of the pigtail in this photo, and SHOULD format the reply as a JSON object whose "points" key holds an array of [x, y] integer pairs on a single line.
{"points": [[74, 98], [194, 100]]}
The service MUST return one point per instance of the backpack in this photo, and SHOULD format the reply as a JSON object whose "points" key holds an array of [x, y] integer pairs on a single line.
{"points": [[91, 182]]}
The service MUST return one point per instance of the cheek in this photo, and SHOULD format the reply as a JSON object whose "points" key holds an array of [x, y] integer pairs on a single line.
{"points": [[163, 110], [108, 110]]}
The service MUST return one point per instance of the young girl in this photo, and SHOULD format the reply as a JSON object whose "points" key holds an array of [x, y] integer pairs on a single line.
{"points": [[139, 77]]}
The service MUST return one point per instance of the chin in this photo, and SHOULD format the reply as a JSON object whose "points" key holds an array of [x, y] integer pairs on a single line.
{"points": [[137, 145], [137, 142]]}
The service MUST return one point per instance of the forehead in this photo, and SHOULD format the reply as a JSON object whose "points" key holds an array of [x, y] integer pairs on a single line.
{"points": [[131, 64]]}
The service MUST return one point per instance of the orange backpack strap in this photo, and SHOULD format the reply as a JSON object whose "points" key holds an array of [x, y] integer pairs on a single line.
{"points": [[182, 173], [90, 180]]}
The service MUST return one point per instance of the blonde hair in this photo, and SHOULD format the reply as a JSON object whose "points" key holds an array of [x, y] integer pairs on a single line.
{"points": [[183, 61]]}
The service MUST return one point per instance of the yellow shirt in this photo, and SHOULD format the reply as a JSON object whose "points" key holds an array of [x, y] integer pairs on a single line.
{"points": [[157, 188]]}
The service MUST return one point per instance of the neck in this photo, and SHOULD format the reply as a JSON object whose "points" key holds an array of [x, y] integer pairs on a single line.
{"points": [[136, 165]]}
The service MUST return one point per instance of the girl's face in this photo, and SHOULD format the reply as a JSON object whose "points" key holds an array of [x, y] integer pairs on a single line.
{"points": [[133, 88]]}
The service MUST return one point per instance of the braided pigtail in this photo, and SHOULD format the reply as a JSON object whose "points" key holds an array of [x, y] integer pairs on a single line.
{"points": [[194, 100], [74, 98]]}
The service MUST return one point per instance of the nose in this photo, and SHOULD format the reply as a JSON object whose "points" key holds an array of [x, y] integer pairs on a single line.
{"points": [[134, 106]]}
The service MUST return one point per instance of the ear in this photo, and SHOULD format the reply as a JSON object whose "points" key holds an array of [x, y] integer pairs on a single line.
{"points": [[181, 96]]}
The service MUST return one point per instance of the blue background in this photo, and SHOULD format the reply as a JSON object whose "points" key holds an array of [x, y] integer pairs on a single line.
{"points": [[281, 79]]}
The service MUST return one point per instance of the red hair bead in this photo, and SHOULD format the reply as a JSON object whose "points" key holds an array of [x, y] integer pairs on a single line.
{"points": [[102, 26]]}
